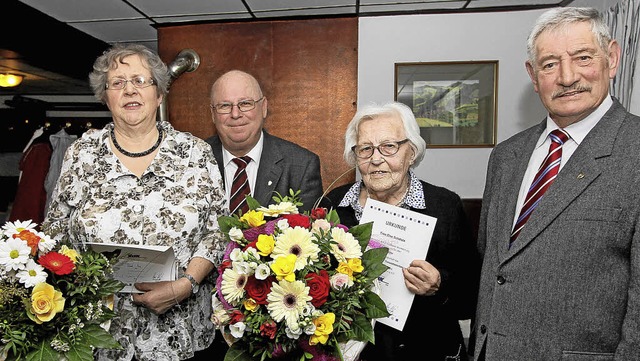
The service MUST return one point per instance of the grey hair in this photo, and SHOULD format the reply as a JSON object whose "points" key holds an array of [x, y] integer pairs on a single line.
{"points": [[562, 16], [373, 111], [115, 55]]}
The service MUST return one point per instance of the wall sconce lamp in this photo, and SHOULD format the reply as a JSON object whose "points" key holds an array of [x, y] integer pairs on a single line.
{"points": [[10, 80]]}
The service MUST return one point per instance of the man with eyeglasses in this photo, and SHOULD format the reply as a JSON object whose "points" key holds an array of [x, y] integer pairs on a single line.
{"points": [[238, 109]]}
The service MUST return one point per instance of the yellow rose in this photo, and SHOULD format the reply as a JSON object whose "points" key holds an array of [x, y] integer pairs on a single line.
{"points": [[46, 302], [355, 264], [250, 304], [265, 244], [344, 268], [253, 218], [324, 327], [69, 252], [284, 267]]}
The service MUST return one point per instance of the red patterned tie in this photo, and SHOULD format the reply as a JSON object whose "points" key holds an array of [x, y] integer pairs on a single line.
{"points": [[542, 181], [240, 186]]}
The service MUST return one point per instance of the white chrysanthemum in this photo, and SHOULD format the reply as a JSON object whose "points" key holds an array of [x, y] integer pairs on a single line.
{"points": [[32, 274], [287, 301], [275, 210], [236, 234], [232, 287], [297, 241], [11, 228], [346, 245], [237, 329], [14, 254], [46, 243], [262, 271]]}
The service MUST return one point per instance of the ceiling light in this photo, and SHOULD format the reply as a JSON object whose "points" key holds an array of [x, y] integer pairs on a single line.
{"points": [[10, 80]]}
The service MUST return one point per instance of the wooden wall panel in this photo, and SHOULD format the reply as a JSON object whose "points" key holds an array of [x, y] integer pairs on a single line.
{"points": [[307, 70]]}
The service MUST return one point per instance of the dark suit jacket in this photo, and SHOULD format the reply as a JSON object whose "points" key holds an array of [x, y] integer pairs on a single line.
{"points": [[569, 287], [283, 165], [432, 330]]}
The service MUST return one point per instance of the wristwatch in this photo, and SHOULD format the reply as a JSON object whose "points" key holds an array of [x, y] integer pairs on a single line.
{"points": [[195, 286]]}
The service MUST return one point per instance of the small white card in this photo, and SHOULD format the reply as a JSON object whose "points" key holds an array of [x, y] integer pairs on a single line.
{"points": [[407, 234]]}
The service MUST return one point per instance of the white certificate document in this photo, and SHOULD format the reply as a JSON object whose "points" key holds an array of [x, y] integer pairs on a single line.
{"points": [[140, 263], [407, 234]]}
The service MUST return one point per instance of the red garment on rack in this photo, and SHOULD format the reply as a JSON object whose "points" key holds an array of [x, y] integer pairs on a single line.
{"points": [[31, 196]]}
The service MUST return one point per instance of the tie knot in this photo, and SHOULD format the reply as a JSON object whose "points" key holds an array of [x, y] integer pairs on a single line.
{"points": [[559, 136], [242, 162]]}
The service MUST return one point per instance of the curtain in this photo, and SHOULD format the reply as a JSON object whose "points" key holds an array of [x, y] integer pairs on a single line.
{"points": [[624, 23]]}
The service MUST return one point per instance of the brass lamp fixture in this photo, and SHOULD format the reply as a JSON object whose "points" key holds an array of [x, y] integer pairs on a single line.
{"points": [[10, 80]]}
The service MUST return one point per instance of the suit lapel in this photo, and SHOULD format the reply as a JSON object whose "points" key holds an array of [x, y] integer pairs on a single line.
{"points": [[269, 171], [585, 165]]}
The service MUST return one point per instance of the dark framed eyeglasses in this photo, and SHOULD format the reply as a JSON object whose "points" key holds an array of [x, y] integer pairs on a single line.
{"points": [[386, 148], [243, 106], [138, 82]]}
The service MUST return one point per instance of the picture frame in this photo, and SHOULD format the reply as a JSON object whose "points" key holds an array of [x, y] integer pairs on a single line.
{"points": [[455, 103]]}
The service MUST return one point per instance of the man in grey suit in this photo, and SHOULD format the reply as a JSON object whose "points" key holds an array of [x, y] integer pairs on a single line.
{"points": [[239, 109], [568, 287]]}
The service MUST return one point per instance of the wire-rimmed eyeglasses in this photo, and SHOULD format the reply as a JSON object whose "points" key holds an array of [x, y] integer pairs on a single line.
{"points": [[138, 82], [386, 148], [243, 106]]}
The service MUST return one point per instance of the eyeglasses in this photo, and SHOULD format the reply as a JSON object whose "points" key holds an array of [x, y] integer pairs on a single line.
{"points": [[138, 82], [243, 106], [387, 148]]}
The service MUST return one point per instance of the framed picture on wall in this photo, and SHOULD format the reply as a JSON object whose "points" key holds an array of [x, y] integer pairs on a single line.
{"points": [[454, 102]]}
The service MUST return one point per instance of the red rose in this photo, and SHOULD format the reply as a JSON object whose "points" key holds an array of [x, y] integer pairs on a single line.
{"points": [[297, 220], [269, 329], [319, 287], [236, 316], [318, 213], [258, 290]]}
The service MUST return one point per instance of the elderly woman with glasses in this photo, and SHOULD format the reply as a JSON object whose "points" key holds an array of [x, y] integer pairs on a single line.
{"points": [[383, 142], [140, 182]]}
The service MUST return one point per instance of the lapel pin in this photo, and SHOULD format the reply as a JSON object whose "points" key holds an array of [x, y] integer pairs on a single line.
{"points": [[269, 183], [580, 175]]}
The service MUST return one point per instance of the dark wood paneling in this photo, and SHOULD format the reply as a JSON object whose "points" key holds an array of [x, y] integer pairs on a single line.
{"points": [[307, 70]]}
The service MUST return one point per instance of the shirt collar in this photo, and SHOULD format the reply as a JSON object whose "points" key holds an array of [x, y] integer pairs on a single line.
{"points": [[579, 130], [413, 199]]}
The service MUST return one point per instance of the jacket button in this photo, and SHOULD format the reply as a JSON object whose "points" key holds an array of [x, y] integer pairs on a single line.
{"points": [[483, 329], [501, 280]]}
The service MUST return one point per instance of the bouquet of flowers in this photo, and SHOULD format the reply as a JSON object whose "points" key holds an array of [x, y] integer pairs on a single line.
{"points": [[296, 286], [53, 299]]}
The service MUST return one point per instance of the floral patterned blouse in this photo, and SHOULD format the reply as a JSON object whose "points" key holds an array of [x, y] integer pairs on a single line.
{"points": [[175, 202]]}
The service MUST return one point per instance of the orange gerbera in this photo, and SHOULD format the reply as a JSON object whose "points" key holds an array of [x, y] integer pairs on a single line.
{"points": [[31, 238], [57, 263]]}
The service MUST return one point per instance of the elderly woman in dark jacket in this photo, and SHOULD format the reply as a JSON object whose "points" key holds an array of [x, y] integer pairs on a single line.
{"points": [[385, 143]]}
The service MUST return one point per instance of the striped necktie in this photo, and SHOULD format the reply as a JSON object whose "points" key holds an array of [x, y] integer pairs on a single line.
{"points": [[542, 181], [240, 186]]}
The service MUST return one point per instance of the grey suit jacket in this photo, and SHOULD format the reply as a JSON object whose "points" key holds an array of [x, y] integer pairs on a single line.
{"points": [[569, 287], [284, 165]]}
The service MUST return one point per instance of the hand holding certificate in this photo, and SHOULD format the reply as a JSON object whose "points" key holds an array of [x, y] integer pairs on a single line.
{"points": [[407, 234], [140, 263]]}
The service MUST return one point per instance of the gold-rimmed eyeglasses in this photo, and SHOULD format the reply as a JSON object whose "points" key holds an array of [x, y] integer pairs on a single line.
{"points": [[243, 106], [386, 148], [138, 82]]}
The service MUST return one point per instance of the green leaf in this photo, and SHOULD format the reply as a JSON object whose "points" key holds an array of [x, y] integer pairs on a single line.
{"points": [[362, 232], [98, 337], [228, 222], [374, 305], [79, 352], [372, 261], [332, 217], [44, 352], [362, 329], [253, 203], [238, 353]]}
